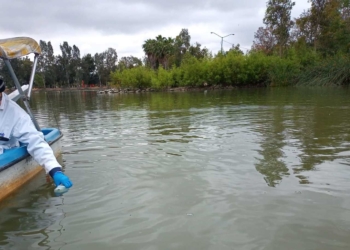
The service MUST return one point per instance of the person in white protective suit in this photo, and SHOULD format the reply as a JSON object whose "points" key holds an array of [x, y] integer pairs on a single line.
{"points": [[16, 126]]}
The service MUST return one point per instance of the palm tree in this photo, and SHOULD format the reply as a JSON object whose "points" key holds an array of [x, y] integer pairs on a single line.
{"points": [[158, 51], [168, 51], [149, 49]]}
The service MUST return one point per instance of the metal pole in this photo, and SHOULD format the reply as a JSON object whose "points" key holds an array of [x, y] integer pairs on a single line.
{"points": [[19, 88], [222, 39], [32, 75]]}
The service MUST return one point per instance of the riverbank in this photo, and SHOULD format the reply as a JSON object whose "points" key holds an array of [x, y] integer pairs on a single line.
{"points": [[70, 89], [137, 90]]}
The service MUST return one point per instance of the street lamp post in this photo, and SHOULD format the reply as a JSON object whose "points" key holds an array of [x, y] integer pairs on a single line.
{"points": [[222, 39]]}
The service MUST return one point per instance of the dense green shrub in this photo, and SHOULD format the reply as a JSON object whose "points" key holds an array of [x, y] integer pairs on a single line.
{"points": [[162, 78], [332, 71], [236, 69], [194, 73], [283, 72], [138, 77]]}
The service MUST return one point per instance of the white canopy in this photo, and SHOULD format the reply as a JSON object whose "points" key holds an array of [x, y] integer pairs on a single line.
{"points": [[11, 48]]}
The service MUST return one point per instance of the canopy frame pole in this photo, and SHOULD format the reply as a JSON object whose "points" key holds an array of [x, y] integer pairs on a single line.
{"points": [[31, 81], [21, 92]]}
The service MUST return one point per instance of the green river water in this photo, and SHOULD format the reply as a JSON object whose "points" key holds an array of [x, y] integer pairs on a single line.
{"points": [[239, 169]]}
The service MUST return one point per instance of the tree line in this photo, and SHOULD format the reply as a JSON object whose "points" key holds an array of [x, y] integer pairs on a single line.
{"points": [[313, 49], [315, 46], [68, 69], [324, 28]]}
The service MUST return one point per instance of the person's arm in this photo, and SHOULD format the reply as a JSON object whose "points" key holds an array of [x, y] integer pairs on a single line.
{"points": [[25, 132]]}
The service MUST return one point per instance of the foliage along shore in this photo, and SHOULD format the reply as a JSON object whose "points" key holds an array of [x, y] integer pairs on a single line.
{"points": [[108, 90], [313, 49], [238, 70]]}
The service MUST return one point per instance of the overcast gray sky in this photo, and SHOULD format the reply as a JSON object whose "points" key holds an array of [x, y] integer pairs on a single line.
{"points": [[96, 25]]}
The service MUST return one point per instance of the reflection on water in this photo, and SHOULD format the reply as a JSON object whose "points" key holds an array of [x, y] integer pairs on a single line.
{"points": [[271, 128], [242, 169]]}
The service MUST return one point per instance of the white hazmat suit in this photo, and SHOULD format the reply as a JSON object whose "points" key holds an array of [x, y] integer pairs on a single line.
{"points": [[17, 126]]}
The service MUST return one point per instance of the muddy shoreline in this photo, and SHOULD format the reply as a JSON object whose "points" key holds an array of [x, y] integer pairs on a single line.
{"points": [[137, 90]]}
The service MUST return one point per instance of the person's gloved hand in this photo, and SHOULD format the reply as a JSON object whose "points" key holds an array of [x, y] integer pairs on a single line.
{"points": [[61, 178]]}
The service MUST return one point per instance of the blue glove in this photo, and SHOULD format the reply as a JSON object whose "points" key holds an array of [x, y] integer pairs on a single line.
{"points": [[61, 178]]}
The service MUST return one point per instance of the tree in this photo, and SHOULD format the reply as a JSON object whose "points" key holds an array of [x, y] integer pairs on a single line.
{"points": [[278, 20], [89, 70], [149, 48], [100, 67], [181, 46], [46, 65], [21, 66], [69, 64], [264, 41], [65, 60], [166, 50], [25, 69], [317, 16], [302, 30], [50, 72], [334, 29], [308, 26], [325, 27], [42, 60], [237, 49], [183, 40], [42, 63], [111, 59], [129, 62], [75, 72], [196, 51], [106, 62], [158, 51]]}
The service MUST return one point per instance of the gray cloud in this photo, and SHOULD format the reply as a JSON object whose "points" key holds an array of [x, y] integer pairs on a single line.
{"points": [[112, 16], [42, 18]]}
